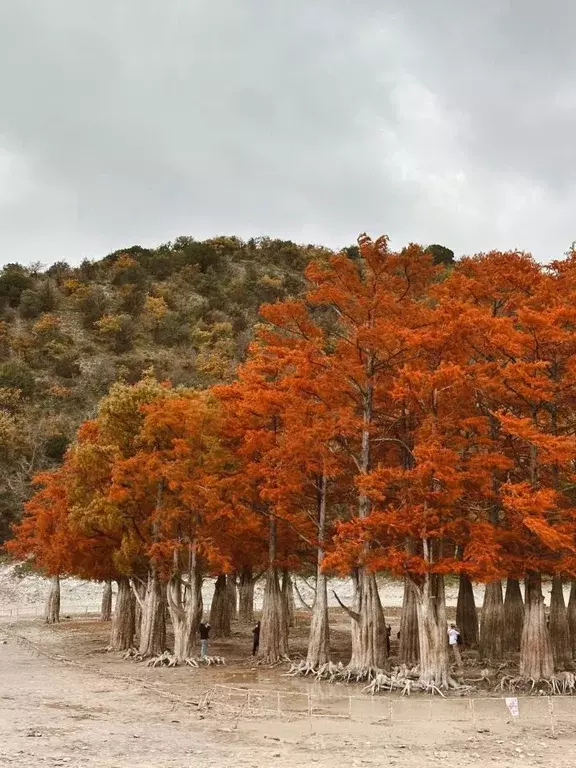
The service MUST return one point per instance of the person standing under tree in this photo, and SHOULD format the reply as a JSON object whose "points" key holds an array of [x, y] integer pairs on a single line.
{"points": [[204, 630], [455, 640], [256, 643]]}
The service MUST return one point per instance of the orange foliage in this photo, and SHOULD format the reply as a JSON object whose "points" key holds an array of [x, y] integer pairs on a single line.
{"points": [[438, 413]]}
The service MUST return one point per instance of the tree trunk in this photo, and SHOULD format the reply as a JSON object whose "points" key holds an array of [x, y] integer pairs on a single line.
{"points": [[138, 590], [354, 625], [409, 645], [466, 614], [409, 650], [559, 630], [193, 594], [246, 589], [492, 628], [536, 660], [185, 605], [513, 616], [288, 598], [432, 632], [106, 606], [369, 645], [122, 635], [153, 625], [183, 643], [220, 609], [232, 593], [319, 637], [273, 636], [572, 618], [371, 654], [52, 614]]}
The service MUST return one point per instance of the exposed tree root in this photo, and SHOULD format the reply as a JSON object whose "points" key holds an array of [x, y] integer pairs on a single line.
{"points": [[563, 684], [328, 671], [264, 663], [165, 659], [406, 681], [168, 659], [392, 682], [486, 675], [359, 674], [134, 654], [401, 678]]}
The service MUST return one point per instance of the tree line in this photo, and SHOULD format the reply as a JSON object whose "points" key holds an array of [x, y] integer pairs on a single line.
{"points": [[400, 417]]}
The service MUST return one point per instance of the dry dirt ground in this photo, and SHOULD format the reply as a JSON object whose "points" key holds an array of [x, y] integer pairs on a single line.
{"points": [[108, 713]]}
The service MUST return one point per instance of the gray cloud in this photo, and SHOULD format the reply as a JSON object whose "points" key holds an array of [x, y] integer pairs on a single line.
{"points": [[138, 120]]}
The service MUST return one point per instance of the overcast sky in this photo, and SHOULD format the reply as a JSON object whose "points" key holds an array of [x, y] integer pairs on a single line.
{"points": [[135, 121]]}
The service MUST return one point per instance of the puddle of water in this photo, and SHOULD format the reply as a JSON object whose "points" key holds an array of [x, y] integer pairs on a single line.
{"points": [[262, 679]]}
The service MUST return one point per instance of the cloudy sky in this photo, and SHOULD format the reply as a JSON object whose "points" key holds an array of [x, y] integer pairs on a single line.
{"points": [[134, 121]]}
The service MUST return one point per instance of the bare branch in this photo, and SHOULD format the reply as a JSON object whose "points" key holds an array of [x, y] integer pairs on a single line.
{"points": [[349, 611], [136, 595], [304, 603]]}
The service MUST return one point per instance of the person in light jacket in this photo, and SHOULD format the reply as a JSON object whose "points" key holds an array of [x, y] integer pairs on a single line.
{"points": [[454, 641]]}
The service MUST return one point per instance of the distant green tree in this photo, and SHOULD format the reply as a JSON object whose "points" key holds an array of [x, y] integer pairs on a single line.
{"points": [[172, 329], [117, 331], [37, 301], [441, 254], [283, 253], [206, 255], [64, 359], [131, 299], [352, 251], [87, 270], [14, 280], [92, 304], [127, 271], [55, 447], [9, 512], [16, 374], [60, 271], [30, 303]]}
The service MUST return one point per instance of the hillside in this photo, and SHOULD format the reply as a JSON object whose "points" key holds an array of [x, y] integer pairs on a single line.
{"points": [[185, 310]]}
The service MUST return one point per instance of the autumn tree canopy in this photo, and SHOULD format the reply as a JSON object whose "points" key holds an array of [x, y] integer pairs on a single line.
{"points": [[400, 417]]}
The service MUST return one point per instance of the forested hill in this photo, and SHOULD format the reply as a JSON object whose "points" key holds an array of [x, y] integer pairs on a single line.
{"points": [[185, 310]]}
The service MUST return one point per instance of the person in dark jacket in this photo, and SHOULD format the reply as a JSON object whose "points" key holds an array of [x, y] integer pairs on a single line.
{"points": [[204, 630], [256, 643]]}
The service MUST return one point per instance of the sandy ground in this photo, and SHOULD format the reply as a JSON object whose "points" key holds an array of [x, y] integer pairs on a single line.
{"points": [[110, 713], [98, 710], [56, 715]]}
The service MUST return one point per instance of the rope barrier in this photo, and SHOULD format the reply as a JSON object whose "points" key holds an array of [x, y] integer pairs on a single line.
{"points": [[314, 706]]}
